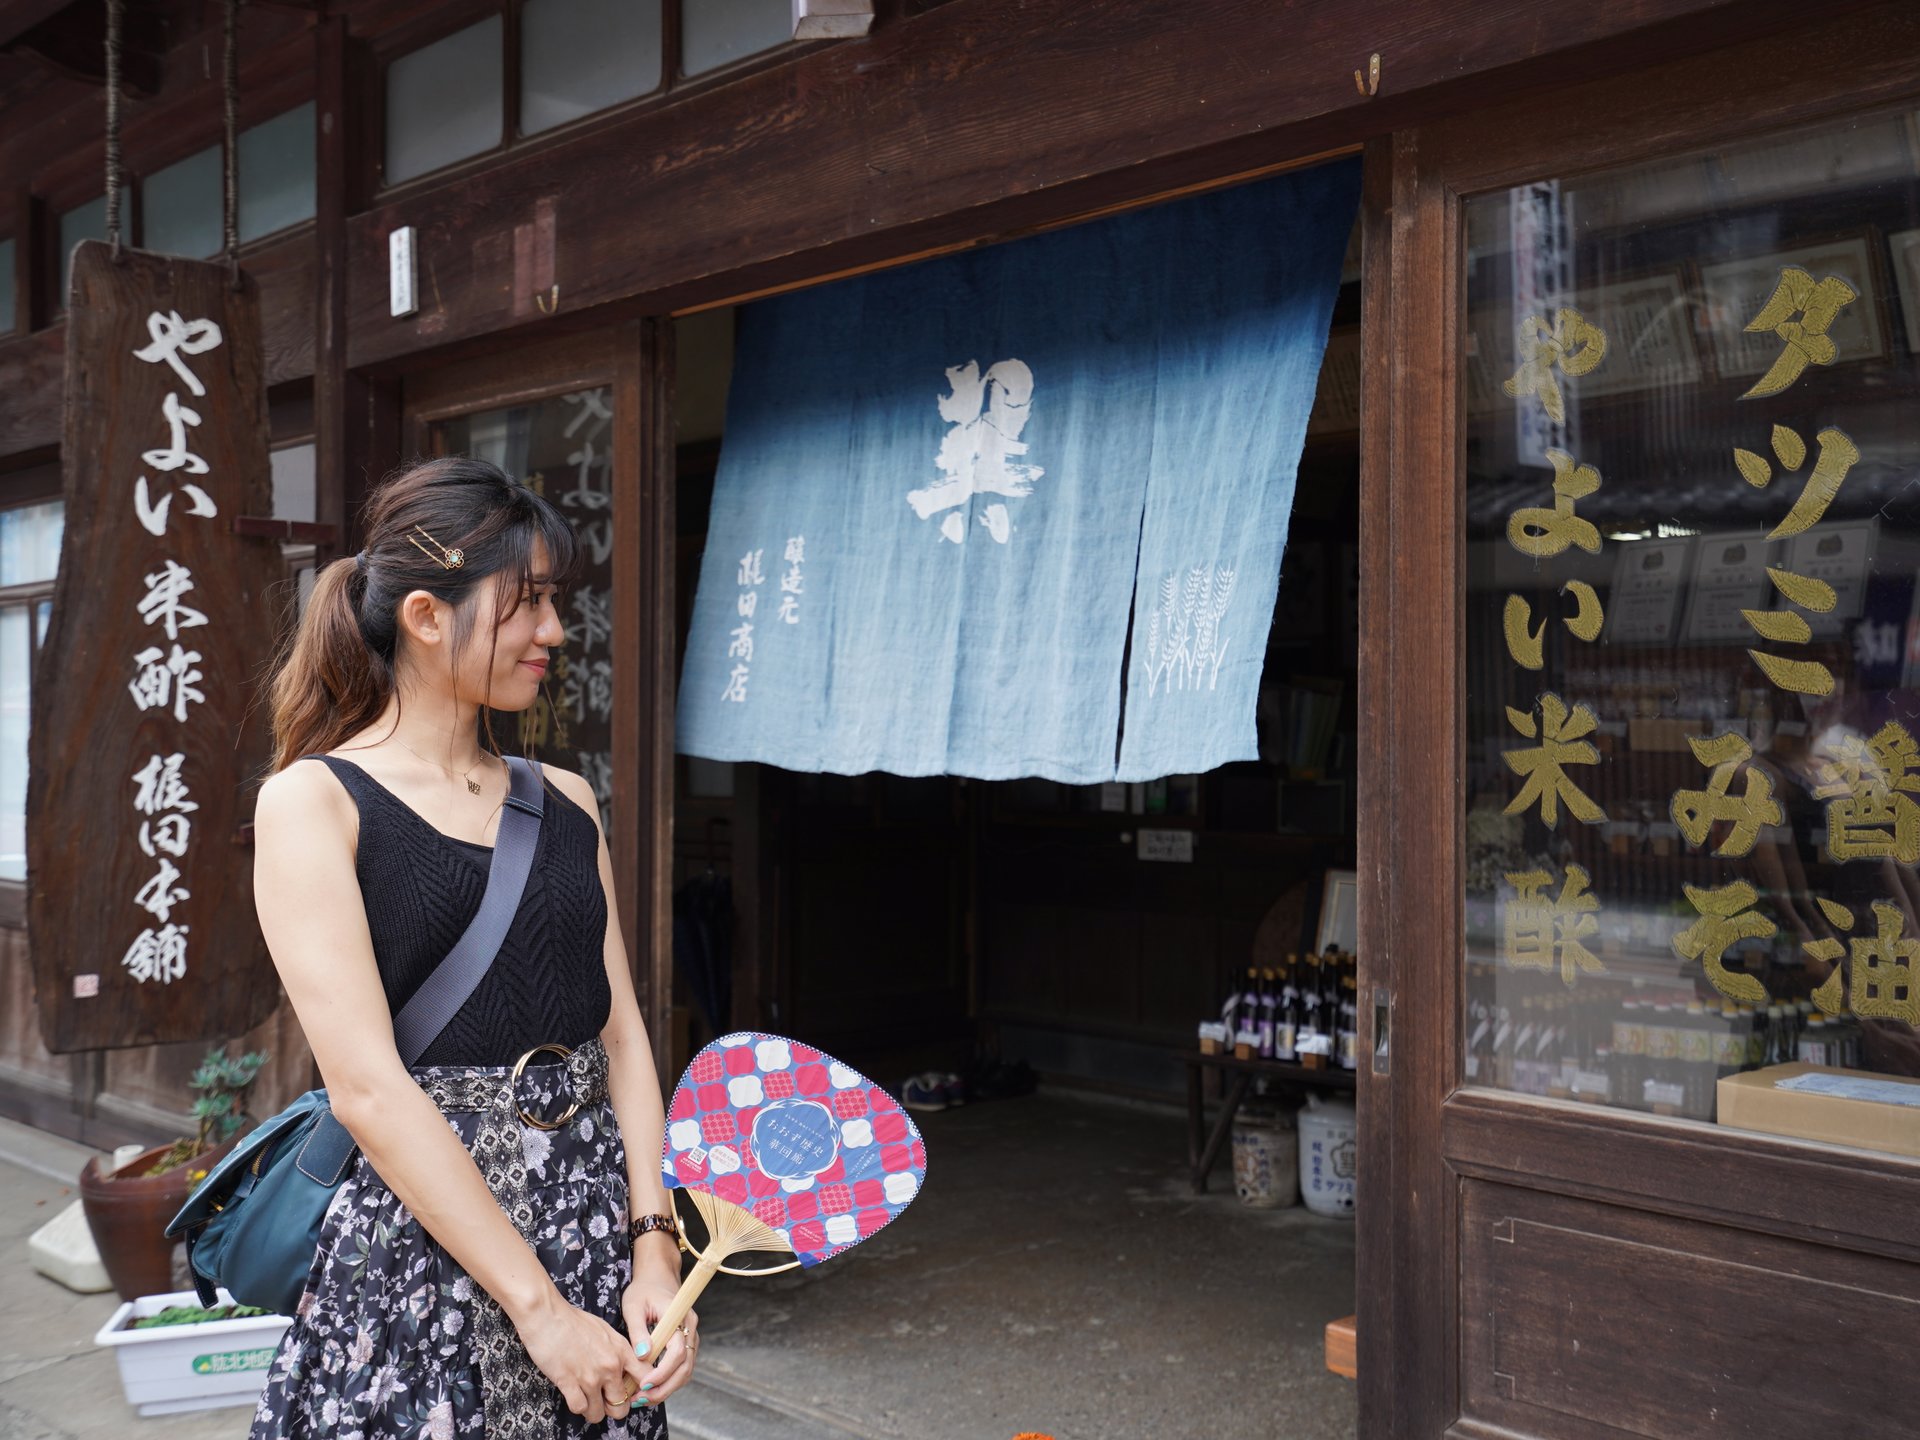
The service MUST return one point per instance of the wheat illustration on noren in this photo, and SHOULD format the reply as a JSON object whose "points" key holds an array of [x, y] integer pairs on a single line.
{"points": [[1185, 644]]}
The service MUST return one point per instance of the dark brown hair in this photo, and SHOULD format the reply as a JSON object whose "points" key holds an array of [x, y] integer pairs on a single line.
{"points": [[335, 671]]}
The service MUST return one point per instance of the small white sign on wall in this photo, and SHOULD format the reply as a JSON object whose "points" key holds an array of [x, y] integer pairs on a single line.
{"points": [[1175, 845], [400, 272]]}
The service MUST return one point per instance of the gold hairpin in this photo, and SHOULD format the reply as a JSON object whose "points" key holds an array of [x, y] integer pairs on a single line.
{"points": [[446, 559]]}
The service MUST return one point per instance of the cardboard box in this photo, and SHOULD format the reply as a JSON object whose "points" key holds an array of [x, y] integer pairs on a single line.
{"points": [[1754, 1101]]}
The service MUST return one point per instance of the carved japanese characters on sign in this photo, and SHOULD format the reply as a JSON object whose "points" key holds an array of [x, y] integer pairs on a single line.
{"points": [[142, 755]]}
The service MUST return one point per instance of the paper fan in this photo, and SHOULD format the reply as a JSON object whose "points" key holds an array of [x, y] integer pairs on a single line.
{"points": [[784, 1157]]}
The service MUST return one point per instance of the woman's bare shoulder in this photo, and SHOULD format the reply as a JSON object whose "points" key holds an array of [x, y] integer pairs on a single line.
{"points": [[575, 787], [303, 797]]}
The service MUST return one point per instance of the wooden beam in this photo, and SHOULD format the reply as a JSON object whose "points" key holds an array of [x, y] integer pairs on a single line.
{"points": [[975, 120]]}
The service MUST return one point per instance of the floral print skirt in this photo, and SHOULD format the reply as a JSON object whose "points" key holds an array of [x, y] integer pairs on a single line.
{"points": [[394, 1339]]}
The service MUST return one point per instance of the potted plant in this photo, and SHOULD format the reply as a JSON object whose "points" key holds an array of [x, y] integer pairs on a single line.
{"points": [[174, 1355], [128, 1208]]}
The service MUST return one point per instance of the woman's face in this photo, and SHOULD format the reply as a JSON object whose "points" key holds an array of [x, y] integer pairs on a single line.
{"points": [[505, 674], [519, 659]]}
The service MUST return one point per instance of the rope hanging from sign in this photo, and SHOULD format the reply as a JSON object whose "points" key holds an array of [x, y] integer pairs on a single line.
{"points": [[115, 13], [230, 100]]}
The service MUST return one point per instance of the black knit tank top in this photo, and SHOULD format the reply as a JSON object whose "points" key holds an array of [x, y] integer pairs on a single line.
{"points": [[422, 888]]}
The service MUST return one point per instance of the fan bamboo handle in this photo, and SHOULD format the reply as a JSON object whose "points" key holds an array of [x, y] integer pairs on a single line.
{"points": [[683, 1299]]}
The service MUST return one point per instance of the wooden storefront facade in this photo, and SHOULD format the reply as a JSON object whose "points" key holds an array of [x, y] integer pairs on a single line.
{"points": [[1701, 1258]]}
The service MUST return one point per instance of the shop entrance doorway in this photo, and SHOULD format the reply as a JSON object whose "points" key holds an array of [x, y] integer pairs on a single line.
{"points": [[1049, 952]]}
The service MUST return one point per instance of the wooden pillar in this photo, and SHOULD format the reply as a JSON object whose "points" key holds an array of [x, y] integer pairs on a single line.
{"points": [[644, 676], [356, 423]]}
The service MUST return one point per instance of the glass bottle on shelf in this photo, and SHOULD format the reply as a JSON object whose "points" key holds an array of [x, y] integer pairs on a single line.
{"points": [[1286, 1023]]}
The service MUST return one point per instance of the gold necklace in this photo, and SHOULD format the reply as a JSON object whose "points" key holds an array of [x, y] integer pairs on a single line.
{"points": [[473, 786]]}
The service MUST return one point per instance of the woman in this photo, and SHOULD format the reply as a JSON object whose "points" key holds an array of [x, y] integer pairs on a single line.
{"points": [[443, 1300]]}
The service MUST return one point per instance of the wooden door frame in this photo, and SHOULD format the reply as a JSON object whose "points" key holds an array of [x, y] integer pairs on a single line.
{"points": [[634, 360], [1422, 1135]]}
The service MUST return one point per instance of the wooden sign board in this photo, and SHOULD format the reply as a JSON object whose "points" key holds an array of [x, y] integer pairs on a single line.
{"points": [[141, 766]]}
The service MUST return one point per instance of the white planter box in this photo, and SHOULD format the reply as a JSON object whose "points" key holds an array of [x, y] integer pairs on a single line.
{"points": [[191, 1367]]}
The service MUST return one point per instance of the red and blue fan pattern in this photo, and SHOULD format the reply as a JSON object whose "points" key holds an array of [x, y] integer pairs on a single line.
{"points": [[811, 1146]]}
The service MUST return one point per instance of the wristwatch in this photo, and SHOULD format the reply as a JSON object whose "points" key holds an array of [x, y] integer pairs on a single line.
{"points": [[646, 1224]]}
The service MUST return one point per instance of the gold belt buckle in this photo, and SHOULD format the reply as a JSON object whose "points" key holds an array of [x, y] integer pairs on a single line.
{"points": [[563, 1052]]}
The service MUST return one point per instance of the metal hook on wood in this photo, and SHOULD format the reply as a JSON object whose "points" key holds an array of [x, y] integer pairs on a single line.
{"points": [[549, 303], [1369, 84]]}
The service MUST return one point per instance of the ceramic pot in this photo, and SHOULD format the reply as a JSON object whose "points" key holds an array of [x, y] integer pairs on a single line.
{"points": [[128, 1211]]}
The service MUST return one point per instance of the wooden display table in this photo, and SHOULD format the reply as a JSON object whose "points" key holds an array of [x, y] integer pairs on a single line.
{"points": [[1201, 1154]]}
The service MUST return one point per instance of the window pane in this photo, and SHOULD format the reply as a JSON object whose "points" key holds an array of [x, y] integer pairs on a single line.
{"points": [[578, 56], [444, 101], [1693, 628], [6, 285], [276, 173], [715, 32], [293, 482], [181, 210], [30, 542], [562, 448], [16, 659], [88, 222]]}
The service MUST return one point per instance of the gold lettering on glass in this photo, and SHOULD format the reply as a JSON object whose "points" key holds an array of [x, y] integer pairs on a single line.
{"points": [[1838, 454], [1543, 533], [1572, 344], [1869, 787], [1726, 918], [1542, 929], [1696, 812], [1798, 312], [1562, 734]]}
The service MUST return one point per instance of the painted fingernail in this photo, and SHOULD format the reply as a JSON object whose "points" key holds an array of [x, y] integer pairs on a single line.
{"points": [[646, 1385]]}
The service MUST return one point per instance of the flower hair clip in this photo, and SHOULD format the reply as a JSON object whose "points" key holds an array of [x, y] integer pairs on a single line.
{"points": [[446, 559]]}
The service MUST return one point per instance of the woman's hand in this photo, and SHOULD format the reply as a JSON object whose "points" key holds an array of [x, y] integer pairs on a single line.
{"points": [[588, 1360], [643, 1303]]}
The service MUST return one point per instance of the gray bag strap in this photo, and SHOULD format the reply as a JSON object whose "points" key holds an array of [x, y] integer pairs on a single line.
{"points": [[440, 997]]}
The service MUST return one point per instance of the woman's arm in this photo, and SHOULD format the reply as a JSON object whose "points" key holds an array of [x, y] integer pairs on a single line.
{"points": [[634, 1087], [311, 912]]}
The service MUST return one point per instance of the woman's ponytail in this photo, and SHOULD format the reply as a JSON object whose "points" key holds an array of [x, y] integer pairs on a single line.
{"points": [[329, 682]]}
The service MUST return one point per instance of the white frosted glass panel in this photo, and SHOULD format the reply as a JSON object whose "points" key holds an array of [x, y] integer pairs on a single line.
{"points": [[88, 222], [16, 663], [444, 101], [6, 286], [181, 214], [30, 542], [276, 173], [293, 483], [578, 56], [715, 32]]}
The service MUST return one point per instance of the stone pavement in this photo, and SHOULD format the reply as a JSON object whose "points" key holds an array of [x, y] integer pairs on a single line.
{"points": [[1056, 1276]]}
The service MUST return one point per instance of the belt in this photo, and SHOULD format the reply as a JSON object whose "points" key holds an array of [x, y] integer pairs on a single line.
{"points": [[518, 1400], [472, 1089]]}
